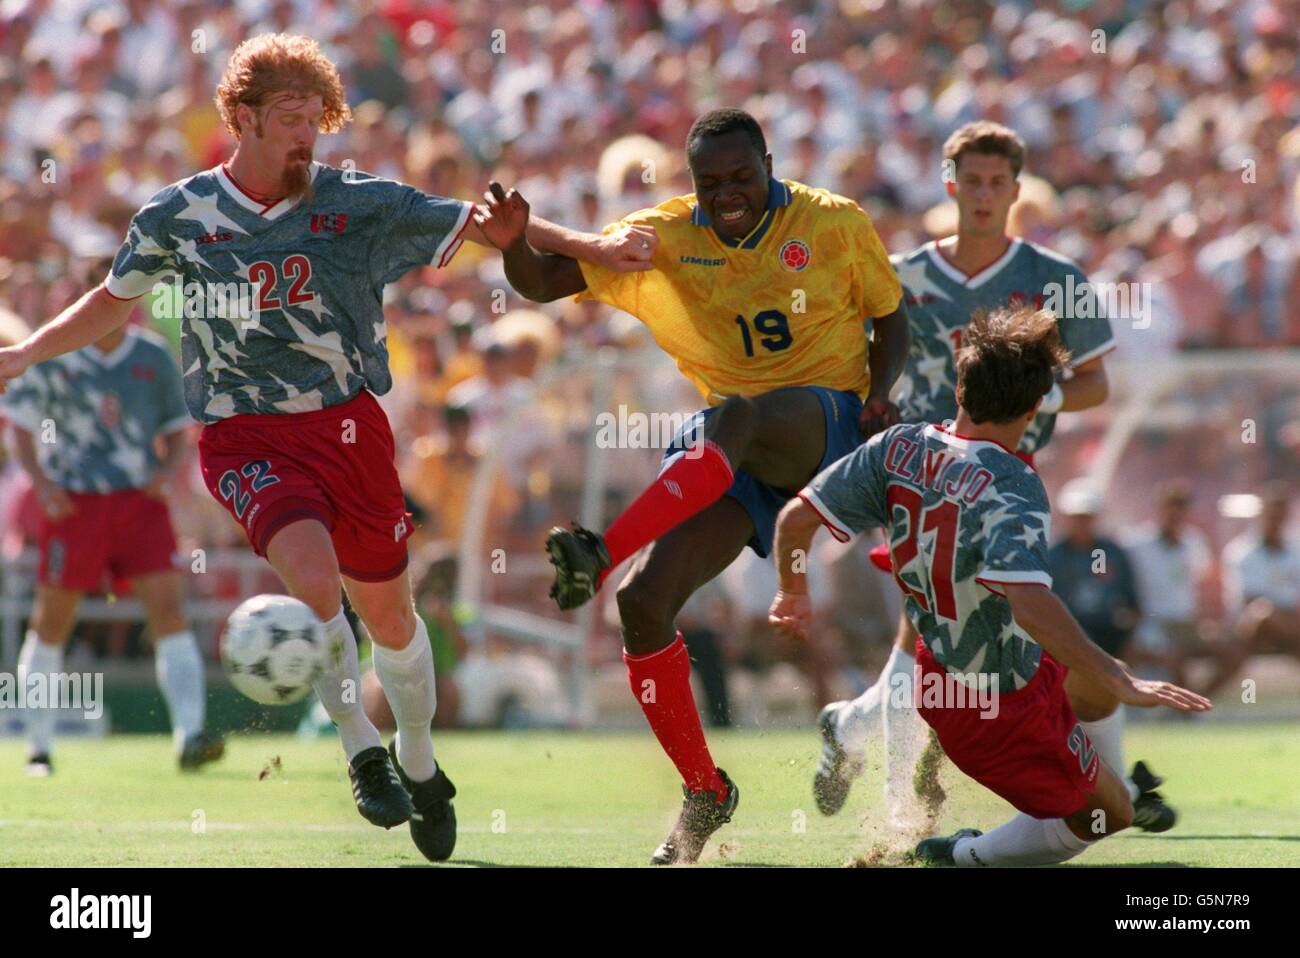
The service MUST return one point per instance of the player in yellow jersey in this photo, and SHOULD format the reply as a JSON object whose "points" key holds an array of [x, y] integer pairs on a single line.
{"points": [[763, 291]]}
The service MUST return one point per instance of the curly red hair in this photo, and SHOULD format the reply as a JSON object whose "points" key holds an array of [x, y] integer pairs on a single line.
{"points": [[275, 63]]}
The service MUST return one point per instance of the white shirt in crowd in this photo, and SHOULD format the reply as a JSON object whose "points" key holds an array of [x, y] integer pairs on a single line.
{"points": [[1168, 574], [1252, 570]]}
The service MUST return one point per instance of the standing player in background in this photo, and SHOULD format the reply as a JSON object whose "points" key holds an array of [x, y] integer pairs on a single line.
{"points": [[763, 290], [294, 443], [84, 429], [944, 282], [968, 526]]}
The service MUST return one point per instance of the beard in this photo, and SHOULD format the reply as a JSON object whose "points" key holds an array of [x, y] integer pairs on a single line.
{"points": [[296, 178]]}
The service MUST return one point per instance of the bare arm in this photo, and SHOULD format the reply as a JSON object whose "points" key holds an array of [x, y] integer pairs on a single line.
{"points": [[88, 320], [887, 355], [176, 444], [1039, 612], [791, 611], [541, 258], [1087, 388], [624, 250], [53, 499]]}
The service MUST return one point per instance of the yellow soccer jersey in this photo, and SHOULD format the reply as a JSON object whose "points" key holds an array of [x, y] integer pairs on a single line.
{"points": [[783, 307]]}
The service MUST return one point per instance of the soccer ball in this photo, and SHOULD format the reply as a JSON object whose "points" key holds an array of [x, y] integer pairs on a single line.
{"points": [[273, 648]]}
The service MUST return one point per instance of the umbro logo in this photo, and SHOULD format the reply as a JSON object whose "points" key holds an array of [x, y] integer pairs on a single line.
{"points": [[673, 488], [214, 238], [400, 529]]}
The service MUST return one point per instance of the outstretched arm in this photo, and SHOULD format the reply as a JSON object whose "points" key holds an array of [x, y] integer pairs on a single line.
{"points": [[628, 249], [89, 319], [502, 221], [891, 338], [1039, 612]]}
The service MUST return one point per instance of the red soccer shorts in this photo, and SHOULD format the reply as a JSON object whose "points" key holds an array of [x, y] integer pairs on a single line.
{"points": [[334, 465], [124, 534], [1033, 753]]}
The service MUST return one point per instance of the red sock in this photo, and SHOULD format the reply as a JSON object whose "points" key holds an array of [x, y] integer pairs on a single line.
{"points": [[661, 682], [683, 489]]}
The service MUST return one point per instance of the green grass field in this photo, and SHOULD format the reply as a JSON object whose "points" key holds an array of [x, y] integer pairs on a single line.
{"points": [[590, 799]]}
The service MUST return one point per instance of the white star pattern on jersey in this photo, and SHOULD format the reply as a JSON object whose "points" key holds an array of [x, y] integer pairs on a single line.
{"points": [[189, 249], [320, 338], [203, 209], [912, 276], [327, 347], [932, 368], [1030, 536]]}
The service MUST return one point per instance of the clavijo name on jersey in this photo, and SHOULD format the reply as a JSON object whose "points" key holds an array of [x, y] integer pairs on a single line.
{"points": [[937, 470]]}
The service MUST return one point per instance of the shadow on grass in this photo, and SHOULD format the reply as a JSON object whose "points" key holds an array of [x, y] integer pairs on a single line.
{"points": [[1217, 838]]}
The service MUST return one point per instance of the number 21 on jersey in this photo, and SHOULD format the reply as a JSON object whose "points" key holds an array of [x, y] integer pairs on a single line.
{"points": [[940, 519]]}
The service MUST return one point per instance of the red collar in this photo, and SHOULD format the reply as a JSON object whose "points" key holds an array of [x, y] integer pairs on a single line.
{"points": [[265, 201], [942, 428]]}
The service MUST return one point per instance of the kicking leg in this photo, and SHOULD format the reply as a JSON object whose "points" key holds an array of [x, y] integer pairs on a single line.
{"points": [[779, 438], [54, 613], [302, 553], [658, 665], [178, 665], [303, 556], [404, 665]]}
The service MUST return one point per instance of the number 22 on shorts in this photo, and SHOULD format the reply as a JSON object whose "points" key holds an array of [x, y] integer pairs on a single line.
{"points": [[258, 472]]}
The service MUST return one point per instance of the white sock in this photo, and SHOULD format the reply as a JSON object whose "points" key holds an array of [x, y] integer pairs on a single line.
{"points": [[861, 719], [408, 681], [1107, 735], [179, 668], [36, 658], [339, 689], [906, 736], [1021, 841]]}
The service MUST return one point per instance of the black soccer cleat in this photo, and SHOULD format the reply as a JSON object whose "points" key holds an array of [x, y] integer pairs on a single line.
{"points": [[579, 557], [378, 792], [201, 748], [1150, 813], [836, 770], [702, 815], [39, 765], [938, 851], [433, 823]]}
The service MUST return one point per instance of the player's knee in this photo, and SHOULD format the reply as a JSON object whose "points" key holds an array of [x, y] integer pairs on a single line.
{"points": [[392, 627], [320, 589], [641, 606], [1120, 817], [735, 421]]}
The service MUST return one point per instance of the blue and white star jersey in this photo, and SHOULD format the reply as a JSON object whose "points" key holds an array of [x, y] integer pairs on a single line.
{"points": [[94, 415], [940, 299], [283, 302], [964, 517]]}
